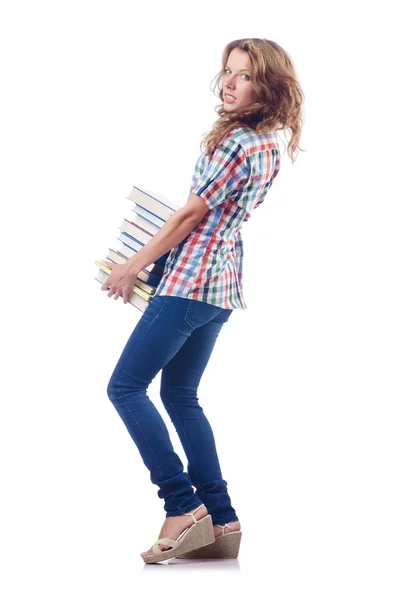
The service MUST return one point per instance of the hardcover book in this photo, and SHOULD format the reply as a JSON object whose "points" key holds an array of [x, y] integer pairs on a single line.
{"points": [[150, 213], [154, 203]]}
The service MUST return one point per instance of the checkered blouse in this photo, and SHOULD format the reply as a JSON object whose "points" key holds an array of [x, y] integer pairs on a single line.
{"points": [[207, 264]]}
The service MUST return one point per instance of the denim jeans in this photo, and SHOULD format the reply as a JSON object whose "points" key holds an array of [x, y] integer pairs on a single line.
{"points": [[175, 335]]}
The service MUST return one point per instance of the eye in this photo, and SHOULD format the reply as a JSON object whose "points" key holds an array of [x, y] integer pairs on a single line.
{"points": [[243, 75]]}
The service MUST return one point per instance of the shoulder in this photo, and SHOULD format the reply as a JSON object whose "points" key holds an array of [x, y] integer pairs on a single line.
{"points": [[236, 137], [251, 141], [233, 143]]}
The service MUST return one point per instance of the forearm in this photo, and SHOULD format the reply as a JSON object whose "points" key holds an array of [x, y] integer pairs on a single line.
{"points": [[174, 230]]}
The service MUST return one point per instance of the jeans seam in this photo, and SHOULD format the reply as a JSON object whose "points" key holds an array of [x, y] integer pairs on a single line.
{"points": [[179, 420], [186, 317], [126, 369], [148, 445], [143, 336]]}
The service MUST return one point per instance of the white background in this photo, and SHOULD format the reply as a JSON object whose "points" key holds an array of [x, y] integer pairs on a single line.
{"points": [[300, 391]]}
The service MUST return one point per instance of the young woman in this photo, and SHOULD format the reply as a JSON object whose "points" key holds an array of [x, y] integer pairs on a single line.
{"points": [[199, 289]]}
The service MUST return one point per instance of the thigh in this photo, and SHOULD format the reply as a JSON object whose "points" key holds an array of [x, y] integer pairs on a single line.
{"points": [[157, 336], [188, 364]]}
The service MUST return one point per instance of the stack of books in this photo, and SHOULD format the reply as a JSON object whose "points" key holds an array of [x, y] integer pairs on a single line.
{"points": [[149, 214]]}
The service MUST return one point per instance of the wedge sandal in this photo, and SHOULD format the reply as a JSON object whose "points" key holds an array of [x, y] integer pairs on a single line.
{"points": [[226, 545], [201, 533]]}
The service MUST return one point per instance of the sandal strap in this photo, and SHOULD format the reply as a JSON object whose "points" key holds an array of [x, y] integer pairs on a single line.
{"points": [[192, 513], [223, 527], [169, 541], [166, 542]]}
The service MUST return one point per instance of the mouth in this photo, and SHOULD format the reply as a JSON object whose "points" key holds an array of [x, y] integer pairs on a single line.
{"points": [[228, 97]]}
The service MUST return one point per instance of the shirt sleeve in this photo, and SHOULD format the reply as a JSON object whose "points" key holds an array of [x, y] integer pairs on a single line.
{"points": [[224, 175]]}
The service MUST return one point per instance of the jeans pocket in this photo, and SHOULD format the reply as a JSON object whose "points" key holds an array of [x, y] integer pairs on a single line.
{"points": [[223, 316], [198, 313]]}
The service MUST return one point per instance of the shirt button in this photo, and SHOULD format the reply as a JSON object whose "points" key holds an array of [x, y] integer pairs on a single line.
{"points": [[228, 257]]}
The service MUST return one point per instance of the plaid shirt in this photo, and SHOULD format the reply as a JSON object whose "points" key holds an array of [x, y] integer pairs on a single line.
{"points": [[207, 264]]}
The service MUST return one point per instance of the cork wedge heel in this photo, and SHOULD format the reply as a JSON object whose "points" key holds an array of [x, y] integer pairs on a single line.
{"points": [[226, 545], [201, 533]]}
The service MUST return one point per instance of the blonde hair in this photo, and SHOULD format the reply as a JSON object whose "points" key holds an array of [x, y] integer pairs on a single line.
{"points": [[275, 82]]}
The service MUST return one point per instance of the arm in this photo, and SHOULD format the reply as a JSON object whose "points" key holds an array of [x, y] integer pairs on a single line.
{"points": [[178, 226]]}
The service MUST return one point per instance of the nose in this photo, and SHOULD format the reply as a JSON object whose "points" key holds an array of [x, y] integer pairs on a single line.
{"points": [[230, 81]]}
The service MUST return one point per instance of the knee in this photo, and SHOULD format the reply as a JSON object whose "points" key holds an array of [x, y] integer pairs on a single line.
{"points": [[119, 388], [164, 395], [113, 391], [179, 398]]}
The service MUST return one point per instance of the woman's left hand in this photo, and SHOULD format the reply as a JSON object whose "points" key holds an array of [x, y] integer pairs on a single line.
{"points": [[120, 282]]}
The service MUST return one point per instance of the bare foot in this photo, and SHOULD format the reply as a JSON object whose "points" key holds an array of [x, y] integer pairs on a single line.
{"points": [[174, 526]]}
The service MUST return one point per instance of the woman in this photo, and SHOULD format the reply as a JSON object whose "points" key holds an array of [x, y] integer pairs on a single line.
{"points": [[199, 289]]}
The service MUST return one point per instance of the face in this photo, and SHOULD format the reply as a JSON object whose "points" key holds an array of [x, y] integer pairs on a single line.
{"points": [[237, 81]]}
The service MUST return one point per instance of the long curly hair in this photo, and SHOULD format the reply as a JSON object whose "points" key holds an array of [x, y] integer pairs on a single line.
{"points": [[275, 82]]}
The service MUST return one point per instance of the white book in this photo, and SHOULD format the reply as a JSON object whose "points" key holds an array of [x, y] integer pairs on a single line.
{"points": [[134, 299], [148, 216], [130, 242], [136, 232], [144, 223], [126, 251], [153, 202], [142, 278], [137, 297], [118, 257]]}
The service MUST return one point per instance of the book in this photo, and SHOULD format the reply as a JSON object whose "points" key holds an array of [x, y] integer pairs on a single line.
{"points": [[156, 267], [130, 241], [147, 284], [152, 218], [144, 223], [137, 297], [135, 231], [151, 274], [150, 213], [154, 203], [135, 245]]}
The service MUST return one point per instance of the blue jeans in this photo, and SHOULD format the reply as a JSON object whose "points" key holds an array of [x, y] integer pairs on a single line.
{"points": [[176, 335]]}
